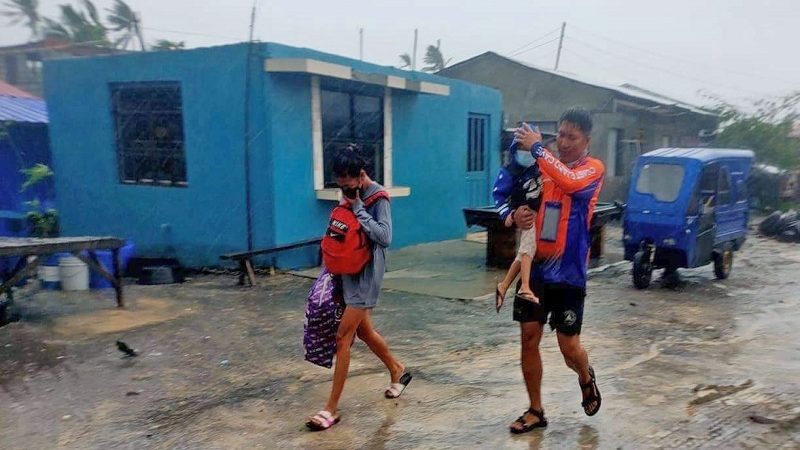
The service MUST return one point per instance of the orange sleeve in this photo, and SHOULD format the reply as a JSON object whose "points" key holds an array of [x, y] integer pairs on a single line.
{"points": [[570, 180]]}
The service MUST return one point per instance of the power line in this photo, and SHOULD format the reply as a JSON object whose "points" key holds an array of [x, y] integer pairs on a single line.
{"points": [[652, 54], [534, 41], [189, 33], [666, 70], [533, 48]]}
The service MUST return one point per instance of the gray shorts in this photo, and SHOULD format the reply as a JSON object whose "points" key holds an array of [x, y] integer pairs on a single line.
{"points": [[360, 303]]}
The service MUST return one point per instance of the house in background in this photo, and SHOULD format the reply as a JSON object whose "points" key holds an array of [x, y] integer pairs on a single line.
{"points": [[23, 144], [203, 152], [628, 120], [21, 65]]}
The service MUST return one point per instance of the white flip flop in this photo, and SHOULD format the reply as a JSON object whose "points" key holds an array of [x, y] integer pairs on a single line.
{"points": [[395, 390]]}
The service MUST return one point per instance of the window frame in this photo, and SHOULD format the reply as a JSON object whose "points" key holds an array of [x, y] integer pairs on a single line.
{"points": [[151, 147]]}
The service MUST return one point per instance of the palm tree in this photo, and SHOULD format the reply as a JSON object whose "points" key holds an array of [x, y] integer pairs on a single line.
{"points": [[123, 19], [435, 59], [405, 58], [163, 44], [26, 11], [78, 26]]}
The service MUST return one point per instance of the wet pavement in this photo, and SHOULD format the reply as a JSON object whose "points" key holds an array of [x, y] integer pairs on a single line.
{"points": [[711, 364]]}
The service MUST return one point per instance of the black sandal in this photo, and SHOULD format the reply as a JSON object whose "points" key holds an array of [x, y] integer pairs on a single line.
{"points": [[531, 426], [593, 397]]}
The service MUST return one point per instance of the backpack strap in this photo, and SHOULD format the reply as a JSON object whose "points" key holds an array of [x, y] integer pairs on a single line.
{"points": [[369, 201]]}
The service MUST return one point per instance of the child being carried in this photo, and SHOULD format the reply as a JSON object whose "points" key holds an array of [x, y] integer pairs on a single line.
{"points": [[519, 184]]}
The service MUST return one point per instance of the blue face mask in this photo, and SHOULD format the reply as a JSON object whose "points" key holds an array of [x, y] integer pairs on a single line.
{"points": [[524, 159]]}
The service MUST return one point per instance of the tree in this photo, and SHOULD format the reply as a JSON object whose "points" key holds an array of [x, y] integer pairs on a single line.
{"points": [[24, 11], [405, 59], [435, 59], [766, 130], [78, 26], [163, 44], [125, 21]]}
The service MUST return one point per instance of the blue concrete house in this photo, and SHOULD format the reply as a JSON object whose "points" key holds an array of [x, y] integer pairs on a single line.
{"points": [[197, 153]]}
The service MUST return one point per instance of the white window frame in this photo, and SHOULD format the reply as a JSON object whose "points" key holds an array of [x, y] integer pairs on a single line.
{"points": [[335, 194]]}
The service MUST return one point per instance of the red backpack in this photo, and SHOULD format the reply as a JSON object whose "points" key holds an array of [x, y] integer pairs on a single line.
{"points": [[346, 248]]}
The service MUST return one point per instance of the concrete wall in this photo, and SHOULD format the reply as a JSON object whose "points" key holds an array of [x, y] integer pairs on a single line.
{"points": [[198, 222], [208, 217]]}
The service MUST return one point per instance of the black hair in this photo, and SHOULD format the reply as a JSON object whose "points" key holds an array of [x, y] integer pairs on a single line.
{"points": [[579, 117], [348, 162]]}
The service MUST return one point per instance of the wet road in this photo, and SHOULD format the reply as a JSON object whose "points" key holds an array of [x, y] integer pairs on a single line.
{"points": [[712, 364]]}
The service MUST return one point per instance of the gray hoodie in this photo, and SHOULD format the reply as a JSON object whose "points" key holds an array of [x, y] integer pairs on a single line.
{"points": [[362, 290]]}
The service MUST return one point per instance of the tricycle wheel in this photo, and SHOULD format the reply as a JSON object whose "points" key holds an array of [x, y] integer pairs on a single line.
{"points": [[723, 264], [642, 270]]}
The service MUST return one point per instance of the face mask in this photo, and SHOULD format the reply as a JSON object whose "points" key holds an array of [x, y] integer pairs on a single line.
{"points": [[350, 192], [524, 159]]}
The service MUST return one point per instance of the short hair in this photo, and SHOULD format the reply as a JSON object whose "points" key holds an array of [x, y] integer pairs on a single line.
{"points": [[579, 117], [348, 162]]}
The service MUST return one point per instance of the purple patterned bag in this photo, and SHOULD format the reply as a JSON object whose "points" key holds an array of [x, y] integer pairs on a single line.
{"points": [[323, 314]]}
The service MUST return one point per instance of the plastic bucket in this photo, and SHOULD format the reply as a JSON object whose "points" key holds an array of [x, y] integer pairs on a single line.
{"points": [[74, 274], [96, 281], [49, 277]]}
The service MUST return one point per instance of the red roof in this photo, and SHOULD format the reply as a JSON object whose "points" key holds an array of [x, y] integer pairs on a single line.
{"points": [[8, 90]]}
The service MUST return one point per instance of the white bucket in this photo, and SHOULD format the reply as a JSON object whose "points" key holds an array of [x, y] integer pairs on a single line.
{"points": [[74, 274], [49, 277]]}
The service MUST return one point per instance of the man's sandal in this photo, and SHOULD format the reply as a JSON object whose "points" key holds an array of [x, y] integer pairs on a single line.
{"points": [[322, 420], [593, 397], [541, 423]]}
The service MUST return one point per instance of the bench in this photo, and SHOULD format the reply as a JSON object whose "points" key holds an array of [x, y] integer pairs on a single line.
{"points": [[245, 259]]}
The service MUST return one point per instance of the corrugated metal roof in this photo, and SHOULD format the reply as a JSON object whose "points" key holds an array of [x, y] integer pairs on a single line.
{"points": [[700, 154], [17, 105], [626, 89], [30, 110]]}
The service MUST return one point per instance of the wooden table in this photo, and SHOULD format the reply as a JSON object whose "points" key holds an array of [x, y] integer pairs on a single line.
{"points": [[31, 250]]}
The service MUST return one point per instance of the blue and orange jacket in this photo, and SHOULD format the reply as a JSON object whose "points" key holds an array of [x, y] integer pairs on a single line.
{"points": [[569, 195]]}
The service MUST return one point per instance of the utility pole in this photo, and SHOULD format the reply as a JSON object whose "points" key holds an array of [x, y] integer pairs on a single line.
{"points": [[414, 55], [252, 21], [248, 132], [560, 44], [361, 44]]}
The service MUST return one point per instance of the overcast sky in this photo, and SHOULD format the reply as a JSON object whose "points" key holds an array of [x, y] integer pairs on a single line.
{"points": [[737, 49]]}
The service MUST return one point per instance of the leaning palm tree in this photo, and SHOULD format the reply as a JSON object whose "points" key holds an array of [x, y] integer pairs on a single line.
{"points": [[26, 11], [125, 21], [405, 58], [163, 44], [78, 26], [434, 59]]}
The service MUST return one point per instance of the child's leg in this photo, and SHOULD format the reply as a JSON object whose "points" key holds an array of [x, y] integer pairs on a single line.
{"points": [[527, 250], [511, 275], [527, 264]]}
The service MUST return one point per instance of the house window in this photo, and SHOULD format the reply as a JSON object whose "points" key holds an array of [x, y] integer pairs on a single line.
{"points": [[350, 118], [666, 141], [148, 120], [476, 143], [612, 149], [12, 69], [620, 153]]}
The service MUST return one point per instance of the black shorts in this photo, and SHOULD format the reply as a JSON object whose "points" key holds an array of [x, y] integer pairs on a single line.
{"points": [[561, 302]]}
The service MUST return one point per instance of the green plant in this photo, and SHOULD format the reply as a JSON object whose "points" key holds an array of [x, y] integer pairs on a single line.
{"points": [[44, 221], [35, 175]]}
